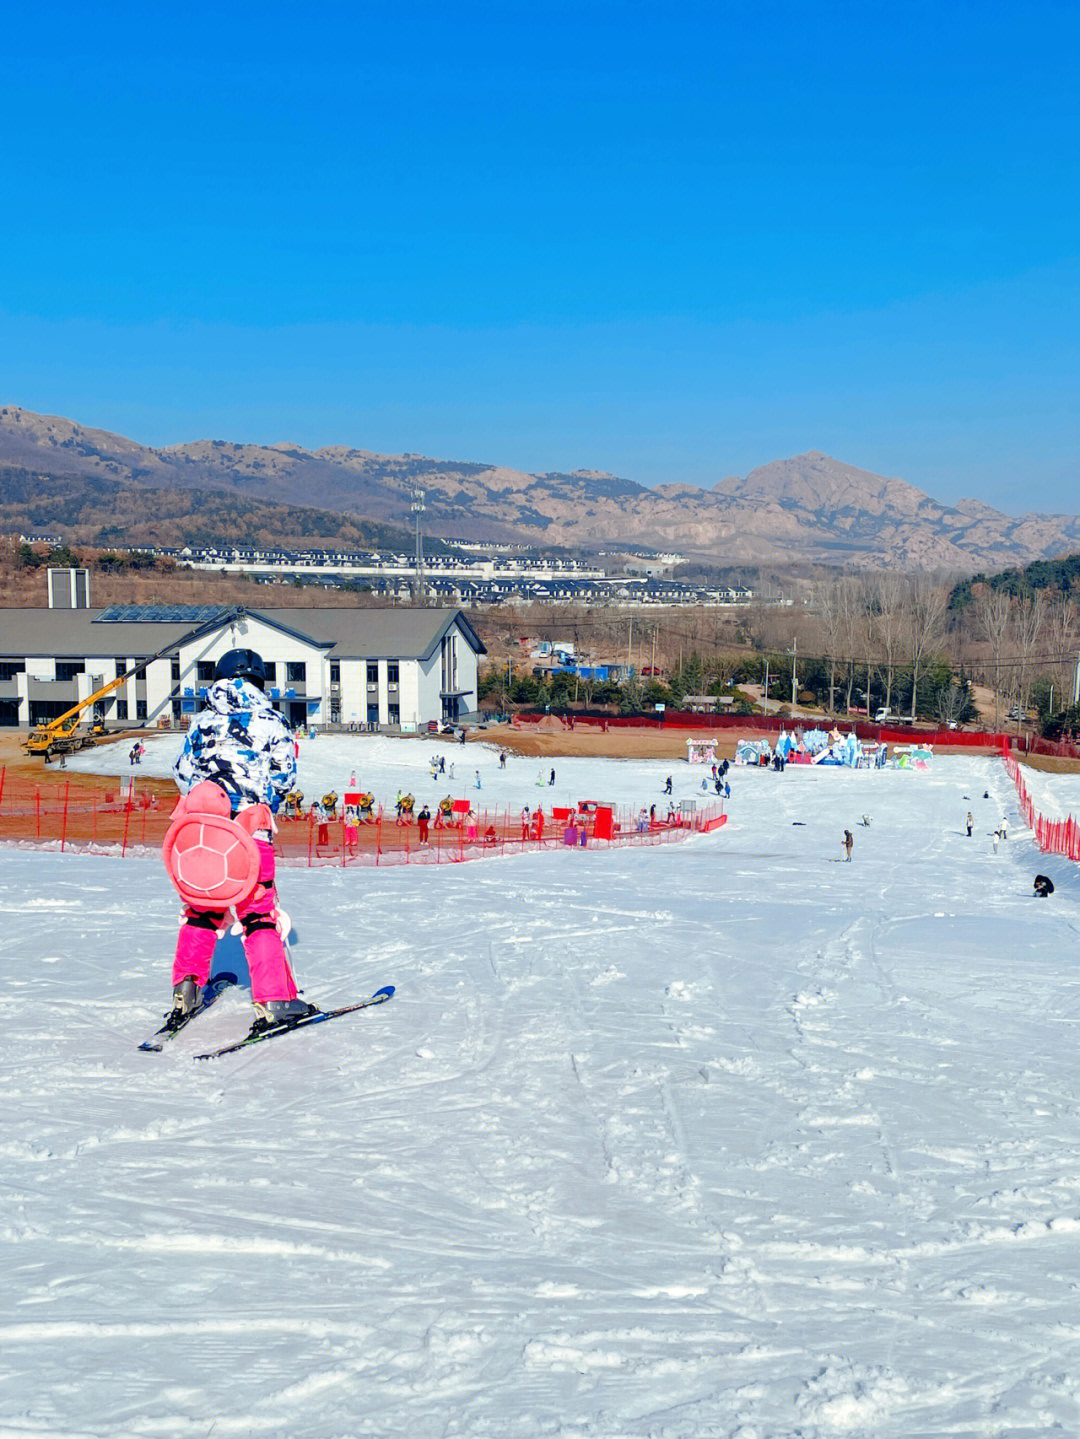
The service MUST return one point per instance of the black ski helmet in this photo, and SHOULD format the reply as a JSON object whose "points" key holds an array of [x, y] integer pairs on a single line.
{"points": [[241, 665]]}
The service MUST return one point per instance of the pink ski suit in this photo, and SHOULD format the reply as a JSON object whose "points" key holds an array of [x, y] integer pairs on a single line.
{"points": [[243, 744]]}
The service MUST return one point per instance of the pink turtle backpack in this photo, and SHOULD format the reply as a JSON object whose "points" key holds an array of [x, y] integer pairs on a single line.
{"points": [[212, 859]]}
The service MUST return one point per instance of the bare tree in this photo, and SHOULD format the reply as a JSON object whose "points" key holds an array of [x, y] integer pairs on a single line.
{"points": [[828, 602], [1028, 617], [1062, 630], [889, 625], [992, 610], [927, 600], [951, 701]]}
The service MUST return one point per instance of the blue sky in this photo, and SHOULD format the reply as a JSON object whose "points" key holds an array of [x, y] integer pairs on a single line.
{"points": [[673, 242]]}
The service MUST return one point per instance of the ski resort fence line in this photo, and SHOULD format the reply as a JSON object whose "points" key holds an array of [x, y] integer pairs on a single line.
{"points": [[132, 817], [1053, 836], [749, 725]]}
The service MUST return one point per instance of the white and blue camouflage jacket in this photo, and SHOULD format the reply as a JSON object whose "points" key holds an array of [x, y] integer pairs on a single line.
{"points": [[243, 744]]}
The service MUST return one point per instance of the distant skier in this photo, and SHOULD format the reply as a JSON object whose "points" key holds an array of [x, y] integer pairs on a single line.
{"points": [[243, 745], [849, 845], [667, 784], [970, 823], [1044, 886], [551, 777], [1003, 828]]}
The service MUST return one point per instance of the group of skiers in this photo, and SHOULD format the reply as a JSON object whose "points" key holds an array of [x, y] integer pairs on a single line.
{"points": [[997, 835]]}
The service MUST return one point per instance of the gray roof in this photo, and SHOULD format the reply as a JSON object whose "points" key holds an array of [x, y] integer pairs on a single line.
{"points": [[378, 634], [72, 632], [346, 634]]}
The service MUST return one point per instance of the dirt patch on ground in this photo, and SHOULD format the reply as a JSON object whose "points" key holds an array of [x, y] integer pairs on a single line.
{"points": [[19, 765], [554, 739]]}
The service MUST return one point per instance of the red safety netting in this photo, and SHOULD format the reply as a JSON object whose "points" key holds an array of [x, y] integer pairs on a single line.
{"points": [[117, 818], [1053, 836]]}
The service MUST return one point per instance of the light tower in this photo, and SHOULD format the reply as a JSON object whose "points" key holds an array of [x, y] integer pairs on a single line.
{"points": [[417, 508]]}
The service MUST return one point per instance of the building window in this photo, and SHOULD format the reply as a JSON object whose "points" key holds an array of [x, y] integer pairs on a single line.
{"points": [[68, 669], [121, 709], [373, 714], [335, 672], [392, 674], [10, 668], [121, 667], [204, 672], [393, 714], [270, 667], [140, 709], [176, 672], [373, 675], [295, 672]]}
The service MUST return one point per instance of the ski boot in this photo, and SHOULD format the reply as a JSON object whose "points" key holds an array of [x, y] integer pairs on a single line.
{"points": [[187, 996], [275, 1013]]}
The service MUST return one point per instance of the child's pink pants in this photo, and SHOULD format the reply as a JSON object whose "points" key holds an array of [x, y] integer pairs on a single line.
{"points": [[271, 975]]}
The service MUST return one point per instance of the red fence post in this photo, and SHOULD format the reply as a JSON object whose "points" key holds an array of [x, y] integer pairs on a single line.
{"points": [[127, 820]]}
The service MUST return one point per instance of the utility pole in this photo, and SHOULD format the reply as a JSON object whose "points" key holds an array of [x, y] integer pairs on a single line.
{"points": [[1076, 683], [629, 646], [418, 509], [765, 691], [794, 679]]}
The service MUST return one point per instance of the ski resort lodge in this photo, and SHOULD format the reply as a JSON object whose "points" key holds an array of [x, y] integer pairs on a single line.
{"points": [[394, 667]]}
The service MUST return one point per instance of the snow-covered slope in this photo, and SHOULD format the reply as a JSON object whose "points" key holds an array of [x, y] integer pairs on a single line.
{"points": [[384, 765], [723, 1139]]}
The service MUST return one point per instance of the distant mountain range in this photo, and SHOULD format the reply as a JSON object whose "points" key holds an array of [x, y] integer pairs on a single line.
{"points": [[808, 508]]}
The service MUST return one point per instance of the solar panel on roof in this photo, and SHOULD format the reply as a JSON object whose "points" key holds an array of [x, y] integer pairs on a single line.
{"points": [[162, 614]]}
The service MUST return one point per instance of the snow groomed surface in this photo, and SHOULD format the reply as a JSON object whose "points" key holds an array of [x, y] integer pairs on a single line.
{"points": [[727, 1139]]}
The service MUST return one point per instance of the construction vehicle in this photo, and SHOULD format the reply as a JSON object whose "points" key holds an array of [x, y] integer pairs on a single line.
{"points": [[68, 733], [65, 734]]}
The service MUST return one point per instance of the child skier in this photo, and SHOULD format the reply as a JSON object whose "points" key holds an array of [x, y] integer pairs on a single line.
{"points": [[242, 744]]}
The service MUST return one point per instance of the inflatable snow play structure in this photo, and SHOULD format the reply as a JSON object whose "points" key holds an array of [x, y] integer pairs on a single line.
{"points": [[815, 746], [912, 756]]}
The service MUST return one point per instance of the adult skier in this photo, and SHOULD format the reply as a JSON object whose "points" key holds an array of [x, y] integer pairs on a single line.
{"points": [[241, 743]]}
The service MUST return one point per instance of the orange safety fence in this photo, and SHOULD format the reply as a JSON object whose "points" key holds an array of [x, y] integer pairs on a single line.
{"points": [[1053, 836], [131, 816]]}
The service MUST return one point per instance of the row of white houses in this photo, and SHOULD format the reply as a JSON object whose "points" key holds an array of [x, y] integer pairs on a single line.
{"points": [[328, 666]]}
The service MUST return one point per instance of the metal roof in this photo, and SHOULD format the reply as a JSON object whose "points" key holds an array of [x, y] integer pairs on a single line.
{"points": [[346, 634]]}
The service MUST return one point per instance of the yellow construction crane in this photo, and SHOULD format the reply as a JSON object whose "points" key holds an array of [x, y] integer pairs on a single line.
{"points": [[65, 734]]}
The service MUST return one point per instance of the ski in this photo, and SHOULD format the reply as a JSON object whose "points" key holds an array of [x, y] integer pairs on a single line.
{"points": [[319, 1017], [172, 1027]]}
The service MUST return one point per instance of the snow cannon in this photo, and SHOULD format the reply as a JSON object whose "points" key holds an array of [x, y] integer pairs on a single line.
{"points": [[213, 859]]}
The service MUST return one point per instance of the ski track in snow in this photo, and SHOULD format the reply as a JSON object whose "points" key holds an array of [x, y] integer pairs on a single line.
{"points": [[721, 1139]]}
